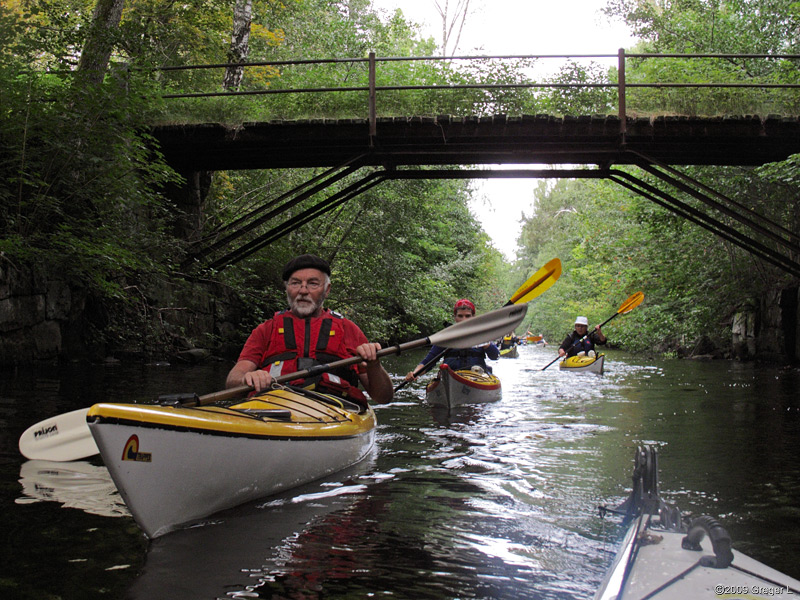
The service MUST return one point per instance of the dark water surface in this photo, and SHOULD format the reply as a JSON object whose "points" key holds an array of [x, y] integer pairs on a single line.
{"points": [[496, 501]]}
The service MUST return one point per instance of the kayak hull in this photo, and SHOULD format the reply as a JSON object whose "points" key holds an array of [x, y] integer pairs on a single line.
{"points": [[655, 564], [665, 556], [455, 388], [509, 352], [584, 364], [175, 465]]}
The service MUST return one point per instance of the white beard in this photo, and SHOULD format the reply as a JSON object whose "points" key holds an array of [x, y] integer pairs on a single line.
{"points": [[303, 309]]}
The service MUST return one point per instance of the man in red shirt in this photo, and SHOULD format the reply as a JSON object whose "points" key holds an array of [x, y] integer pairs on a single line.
{"points": [[307, 334]]}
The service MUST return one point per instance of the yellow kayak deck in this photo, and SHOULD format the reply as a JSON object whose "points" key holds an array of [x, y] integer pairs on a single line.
{"points": [[277, 413], [479, 379], [579, 361]]}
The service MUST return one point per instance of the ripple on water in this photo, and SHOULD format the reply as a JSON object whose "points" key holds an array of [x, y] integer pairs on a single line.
{"points": [[496, 501]]}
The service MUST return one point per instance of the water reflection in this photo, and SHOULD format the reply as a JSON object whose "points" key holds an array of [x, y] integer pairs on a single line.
{"points": [[486, 501], [77, 484], [242, 552]]}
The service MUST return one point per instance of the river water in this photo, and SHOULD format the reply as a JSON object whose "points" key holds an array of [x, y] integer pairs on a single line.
{"points": [[497, 501]]}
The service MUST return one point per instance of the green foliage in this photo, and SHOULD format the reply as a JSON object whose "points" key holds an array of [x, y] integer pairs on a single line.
{"points": [[80, 192], [82, 189], [580, 100], [613, 243], [706, 26], [402, 253]]}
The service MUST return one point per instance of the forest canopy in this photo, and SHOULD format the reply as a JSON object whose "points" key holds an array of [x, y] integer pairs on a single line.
{"points": [[85, 194]]}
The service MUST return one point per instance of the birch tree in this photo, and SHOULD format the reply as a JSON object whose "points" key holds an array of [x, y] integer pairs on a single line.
{"points": [[452, 23], [240, 42]]}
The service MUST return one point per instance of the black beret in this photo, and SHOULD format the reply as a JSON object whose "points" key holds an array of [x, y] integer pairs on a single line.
{"points": [[305, 261]]}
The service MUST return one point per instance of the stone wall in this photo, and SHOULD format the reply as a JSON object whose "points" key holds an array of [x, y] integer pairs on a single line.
{"points": [[48, 319], [769, 331], [32, 313]]}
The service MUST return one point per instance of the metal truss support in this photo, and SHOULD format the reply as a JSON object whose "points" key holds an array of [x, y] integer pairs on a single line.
{"points": [[270, 210], [759, 224], [299, 220], [705, 221], [723, 204]]}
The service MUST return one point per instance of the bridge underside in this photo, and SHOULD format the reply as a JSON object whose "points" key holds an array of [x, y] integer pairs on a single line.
{"points": [[587, 140], [376, 154]]}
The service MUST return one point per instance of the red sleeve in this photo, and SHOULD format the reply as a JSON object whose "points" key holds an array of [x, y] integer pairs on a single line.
{"points": [[256, 345], [353, 337]]}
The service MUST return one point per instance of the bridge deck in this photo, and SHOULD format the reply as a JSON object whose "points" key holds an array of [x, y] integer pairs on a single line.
{"points": [[446, 140]]}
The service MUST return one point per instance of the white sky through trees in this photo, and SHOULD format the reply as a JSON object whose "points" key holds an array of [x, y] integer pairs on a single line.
{"points": [[518, 27]]}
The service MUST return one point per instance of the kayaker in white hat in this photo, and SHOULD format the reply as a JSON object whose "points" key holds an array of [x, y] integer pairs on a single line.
{"points": [[578, 342]]}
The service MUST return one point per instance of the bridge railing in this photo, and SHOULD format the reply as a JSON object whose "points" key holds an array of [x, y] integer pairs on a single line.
{"points": [[625, 87]]}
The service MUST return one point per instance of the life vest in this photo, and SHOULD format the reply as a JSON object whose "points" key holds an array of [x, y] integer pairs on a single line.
{"points": [[585, 346], [296, 344], [466, 358]]}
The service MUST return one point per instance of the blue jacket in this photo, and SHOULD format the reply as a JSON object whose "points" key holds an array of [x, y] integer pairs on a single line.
{"points": [[464, 359]]}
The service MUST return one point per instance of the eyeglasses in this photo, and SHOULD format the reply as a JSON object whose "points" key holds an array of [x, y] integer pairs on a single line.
{"points": [[312, 285]]}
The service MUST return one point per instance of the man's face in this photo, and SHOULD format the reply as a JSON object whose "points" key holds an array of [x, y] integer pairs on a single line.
{"points": [[581, 329], [306, 290], [462, 314]]}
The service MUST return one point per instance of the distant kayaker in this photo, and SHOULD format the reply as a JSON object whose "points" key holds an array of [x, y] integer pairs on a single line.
{"points": [[509, 341], [570, 346], [306, 334], [458, 359]]}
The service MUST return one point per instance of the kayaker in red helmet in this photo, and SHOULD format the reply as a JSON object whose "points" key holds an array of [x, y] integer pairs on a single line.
{"points": [[458, 359], [306, 334]]}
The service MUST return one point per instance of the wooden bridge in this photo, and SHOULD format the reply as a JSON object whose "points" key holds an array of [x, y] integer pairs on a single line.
{"points": [[377, 149], [446, 140], [499, 139]]}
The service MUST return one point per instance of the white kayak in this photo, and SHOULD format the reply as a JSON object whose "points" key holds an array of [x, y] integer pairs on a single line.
{"points": [[583, 364], [174, 465], [463, 386], [665, 557]]}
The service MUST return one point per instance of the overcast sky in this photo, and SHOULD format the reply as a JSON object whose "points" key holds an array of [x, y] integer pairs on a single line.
{"points": [[514, 27]]}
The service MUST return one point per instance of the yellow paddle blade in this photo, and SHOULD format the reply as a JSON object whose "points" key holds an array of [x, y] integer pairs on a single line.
{"points": [[538, 282], [631, 303]]}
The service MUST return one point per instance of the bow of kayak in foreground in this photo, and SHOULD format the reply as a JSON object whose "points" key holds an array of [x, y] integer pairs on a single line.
{"points": [[664, 556], [175, 465]]}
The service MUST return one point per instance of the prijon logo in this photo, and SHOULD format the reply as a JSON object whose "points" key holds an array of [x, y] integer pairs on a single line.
{"points": [[46, 432]]}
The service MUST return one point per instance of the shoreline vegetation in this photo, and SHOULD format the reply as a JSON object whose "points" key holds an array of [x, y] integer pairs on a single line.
{"points": [[98, 233]]}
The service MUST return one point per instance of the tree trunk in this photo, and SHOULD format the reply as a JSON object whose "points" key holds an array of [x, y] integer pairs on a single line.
{"points": [[448, 22], [240, 38], [100, 41]]}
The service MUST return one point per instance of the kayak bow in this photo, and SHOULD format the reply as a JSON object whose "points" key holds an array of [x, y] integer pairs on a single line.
{"points": [[174, 465], [583, 364], [661, 555], [468, 386]]}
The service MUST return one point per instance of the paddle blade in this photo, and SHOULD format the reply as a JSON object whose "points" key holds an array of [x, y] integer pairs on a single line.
{"points": [[483, 328], [60, 438], [537, 283], [631, 303]]}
